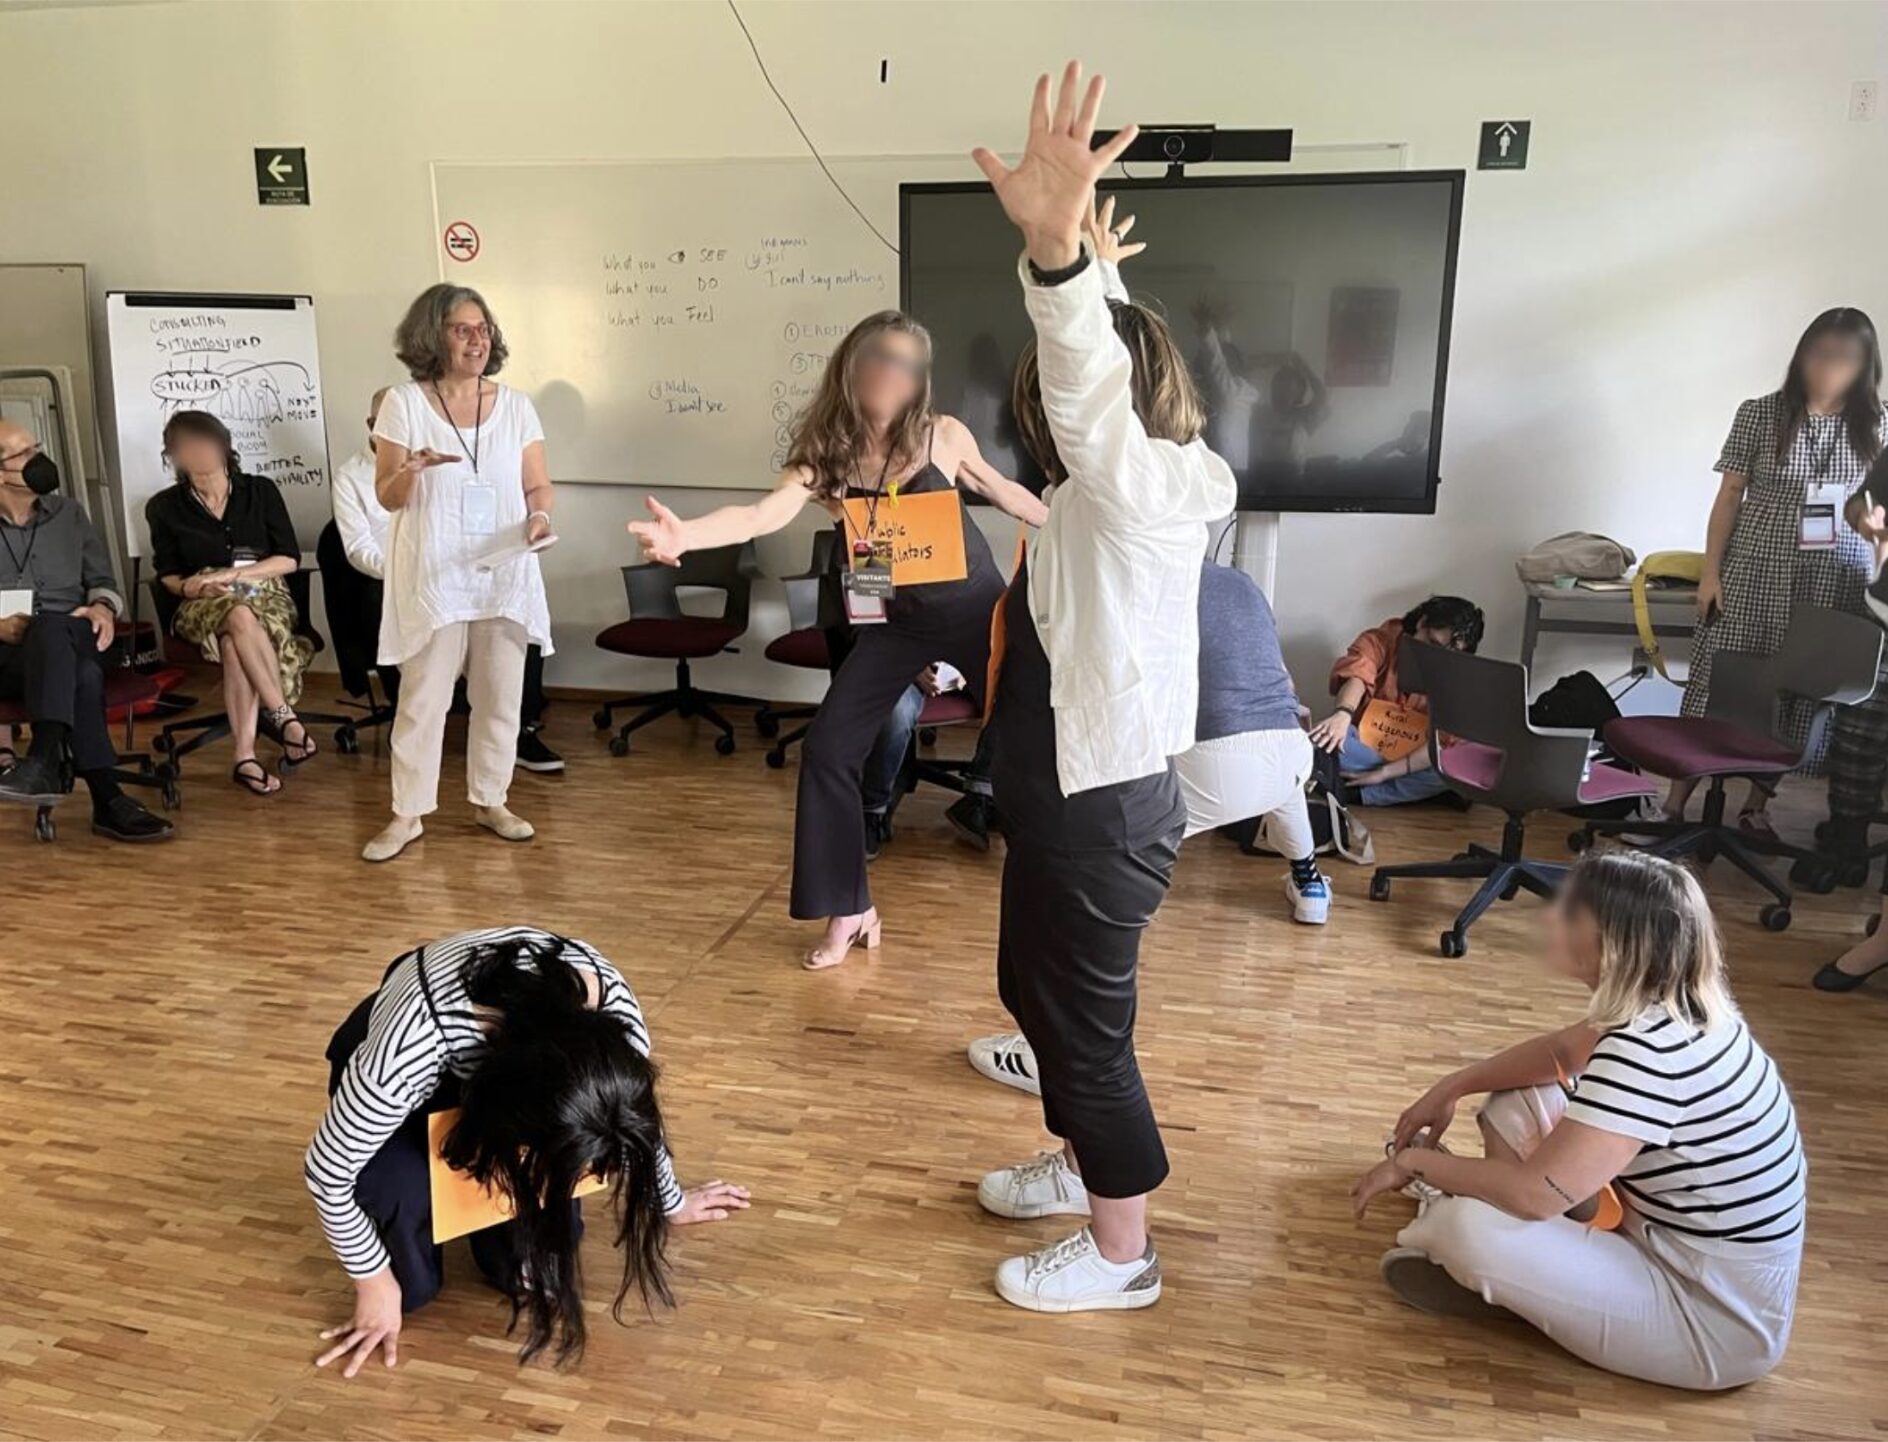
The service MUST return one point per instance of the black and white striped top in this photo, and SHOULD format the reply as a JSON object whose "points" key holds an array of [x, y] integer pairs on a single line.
{"points": [[1722, 1162], [400, 1064]]}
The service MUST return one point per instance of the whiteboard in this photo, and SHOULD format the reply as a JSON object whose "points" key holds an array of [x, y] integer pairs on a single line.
{"points": [[249, 360], [669, 318]]}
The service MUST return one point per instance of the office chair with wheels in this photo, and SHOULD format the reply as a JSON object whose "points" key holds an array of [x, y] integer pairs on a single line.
{"points": [[658, 629], [1499, 759], [807, 646], [1827, 657], [177, 739], [353, 601]]}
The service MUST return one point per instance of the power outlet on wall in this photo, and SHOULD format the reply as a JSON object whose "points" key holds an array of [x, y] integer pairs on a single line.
{"points": [[1864, 99]]}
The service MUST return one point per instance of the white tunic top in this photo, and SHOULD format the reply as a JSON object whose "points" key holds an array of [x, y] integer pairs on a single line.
{"points": [[431, 581]]}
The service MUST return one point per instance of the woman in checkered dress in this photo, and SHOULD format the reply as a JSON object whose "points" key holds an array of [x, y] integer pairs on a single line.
{"points": [[1823, 428]]}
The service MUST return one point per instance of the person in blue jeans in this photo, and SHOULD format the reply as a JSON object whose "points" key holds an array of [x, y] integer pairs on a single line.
{"points": [[1366, 674], [878, 791]]}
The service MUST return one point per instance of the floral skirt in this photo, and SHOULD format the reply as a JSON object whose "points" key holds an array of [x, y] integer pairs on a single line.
{"points": [[199, 621]]}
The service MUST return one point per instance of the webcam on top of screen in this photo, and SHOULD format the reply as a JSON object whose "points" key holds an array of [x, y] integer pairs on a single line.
{"points": [[1182, 145]]}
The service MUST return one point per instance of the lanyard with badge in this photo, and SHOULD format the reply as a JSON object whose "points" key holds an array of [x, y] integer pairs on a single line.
{"points": [[868, 579], [18, 601], [478, 500], [1822, 502]]}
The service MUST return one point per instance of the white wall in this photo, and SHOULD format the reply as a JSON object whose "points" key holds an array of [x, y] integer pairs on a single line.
{"points": [[1694, 194]]}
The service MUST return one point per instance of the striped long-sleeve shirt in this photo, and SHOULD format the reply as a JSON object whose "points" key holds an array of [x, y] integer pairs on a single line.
{"points": [[398, 1067], [1722, 1165]]}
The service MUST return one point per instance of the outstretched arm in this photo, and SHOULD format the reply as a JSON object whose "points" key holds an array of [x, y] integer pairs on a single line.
{"points": [[666, 537], [980, 478]]}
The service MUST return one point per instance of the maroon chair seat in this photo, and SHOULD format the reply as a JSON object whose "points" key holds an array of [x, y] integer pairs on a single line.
{"points": [[1698, 746], [953, 708], [1479, 767], [806, 649], [123, 687], [670, 638]]}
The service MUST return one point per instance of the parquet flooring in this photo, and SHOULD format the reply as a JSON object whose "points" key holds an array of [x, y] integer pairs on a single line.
{"points": [[163, 1013]]}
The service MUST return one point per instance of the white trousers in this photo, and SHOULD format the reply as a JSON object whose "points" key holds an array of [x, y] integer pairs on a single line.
{"points": [[1255, 773], [1639, 1301], [491, 656]]}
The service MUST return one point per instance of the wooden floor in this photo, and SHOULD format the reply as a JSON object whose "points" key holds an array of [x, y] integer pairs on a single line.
{"points": [[163, 1014]]}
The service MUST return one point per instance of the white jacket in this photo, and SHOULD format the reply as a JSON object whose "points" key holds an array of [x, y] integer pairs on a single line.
{"points": [[358, 515], [1114, 573]]}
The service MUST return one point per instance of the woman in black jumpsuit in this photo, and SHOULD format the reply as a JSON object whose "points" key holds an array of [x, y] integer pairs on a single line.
{"points": [[869, 433]]}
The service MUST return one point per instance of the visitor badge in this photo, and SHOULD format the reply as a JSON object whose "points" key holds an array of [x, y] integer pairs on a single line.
{"points": [[17, 602], [478, 510], [868, 590], [1822, 514]]}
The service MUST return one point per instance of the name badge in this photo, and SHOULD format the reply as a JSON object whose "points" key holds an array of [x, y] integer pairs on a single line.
{"points": [[478, 510], [868, 588], [242, 558], [1822, 515], [18, 602]]}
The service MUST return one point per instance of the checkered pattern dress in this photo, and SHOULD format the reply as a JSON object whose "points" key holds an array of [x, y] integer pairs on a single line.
{"points": [[1765, 570]]}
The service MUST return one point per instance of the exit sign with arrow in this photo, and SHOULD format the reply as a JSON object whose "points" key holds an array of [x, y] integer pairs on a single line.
{"points": [[1504, 145], [282, 175]]}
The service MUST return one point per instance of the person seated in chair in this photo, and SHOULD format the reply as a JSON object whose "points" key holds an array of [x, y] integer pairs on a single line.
{"points": [[59, 610], [222, 543], [1365, 675], [363, 524], [971, 814]]}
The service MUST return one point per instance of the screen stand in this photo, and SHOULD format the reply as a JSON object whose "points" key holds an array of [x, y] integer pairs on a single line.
{"points": [[1255, 548]]}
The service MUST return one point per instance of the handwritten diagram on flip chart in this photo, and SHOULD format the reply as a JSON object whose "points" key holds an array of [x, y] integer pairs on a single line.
{"points": [[670, 318], [250, 361]]}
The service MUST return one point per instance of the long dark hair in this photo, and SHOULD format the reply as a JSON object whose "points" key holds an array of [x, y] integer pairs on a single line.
{"points": [[1861, 406], [206, 427], [561, 1094], [829, 435]]}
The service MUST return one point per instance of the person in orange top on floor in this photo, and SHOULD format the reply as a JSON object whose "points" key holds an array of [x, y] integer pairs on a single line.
{"points": [[1365, 676]]}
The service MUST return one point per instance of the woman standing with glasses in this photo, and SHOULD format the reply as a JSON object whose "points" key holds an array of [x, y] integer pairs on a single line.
{"points": [[869, 435], [459, 461]]}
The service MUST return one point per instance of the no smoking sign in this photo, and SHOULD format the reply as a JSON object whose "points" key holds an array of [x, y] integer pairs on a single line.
{"points": [[462, 241]]}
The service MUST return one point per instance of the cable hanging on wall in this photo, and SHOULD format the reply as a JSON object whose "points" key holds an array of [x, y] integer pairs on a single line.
{"points": [[811, 147]]}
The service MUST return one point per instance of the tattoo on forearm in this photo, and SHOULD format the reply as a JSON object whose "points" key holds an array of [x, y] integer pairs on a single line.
{"points": [[1558, 1188]]}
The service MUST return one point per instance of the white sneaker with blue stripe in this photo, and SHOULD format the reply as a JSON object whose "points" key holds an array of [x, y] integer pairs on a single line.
{"points": [[1310, 903]]}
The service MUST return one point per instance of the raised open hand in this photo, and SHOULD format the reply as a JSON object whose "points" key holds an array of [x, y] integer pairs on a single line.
{"points": [[1110, 238], [1050, 193]]}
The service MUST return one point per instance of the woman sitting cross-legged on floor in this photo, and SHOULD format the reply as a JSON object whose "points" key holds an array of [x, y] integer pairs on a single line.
{"points": [[222, 542], [1675, 1107], [540, 1044]]}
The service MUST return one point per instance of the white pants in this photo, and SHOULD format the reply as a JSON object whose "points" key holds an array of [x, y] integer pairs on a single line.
{"points": [[1639, 1301], [1255, 773], [491, 656]]}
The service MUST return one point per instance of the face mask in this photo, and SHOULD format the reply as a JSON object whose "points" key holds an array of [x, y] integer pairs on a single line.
{"points": [[41, 475]]}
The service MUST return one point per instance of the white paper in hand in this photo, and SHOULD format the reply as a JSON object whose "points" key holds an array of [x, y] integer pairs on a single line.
{"points": [[508, 547]]}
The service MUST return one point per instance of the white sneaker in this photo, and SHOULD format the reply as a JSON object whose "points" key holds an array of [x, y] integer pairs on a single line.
{"points": [[1072, 1276], [1310, 903], [1044, 1187], [1008, 1059]]}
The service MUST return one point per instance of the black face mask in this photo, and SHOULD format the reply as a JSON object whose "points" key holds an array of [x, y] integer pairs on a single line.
{"points": [[41, 475]]}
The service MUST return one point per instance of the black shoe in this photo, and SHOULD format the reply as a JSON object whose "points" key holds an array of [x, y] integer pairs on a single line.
{"points": [[122, 819], [534, 755], [35, 781], [1834, 978], [878, 831], [969, 817]]}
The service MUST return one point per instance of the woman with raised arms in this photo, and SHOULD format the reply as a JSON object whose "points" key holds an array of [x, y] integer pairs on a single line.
{"points": [[869, 435]]}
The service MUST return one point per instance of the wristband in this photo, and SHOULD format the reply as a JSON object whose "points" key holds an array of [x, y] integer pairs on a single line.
{"points": [[535, 514]]}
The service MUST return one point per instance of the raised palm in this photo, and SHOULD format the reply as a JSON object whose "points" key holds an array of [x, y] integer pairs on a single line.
{"points": [[1049, 194]]}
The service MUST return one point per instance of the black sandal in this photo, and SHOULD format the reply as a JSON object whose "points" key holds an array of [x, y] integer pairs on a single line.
{"points": [[258, 783], [294, 753]]}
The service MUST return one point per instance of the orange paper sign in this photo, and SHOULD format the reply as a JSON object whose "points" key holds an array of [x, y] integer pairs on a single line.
{"points": [[1393, 731], [925, 534], [461, 1205]]}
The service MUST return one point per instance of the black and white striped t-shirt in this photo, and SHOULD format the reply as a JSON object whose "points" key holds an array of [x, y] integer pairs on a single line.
{"points": [[1722, 1162], [398, 1067]]}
